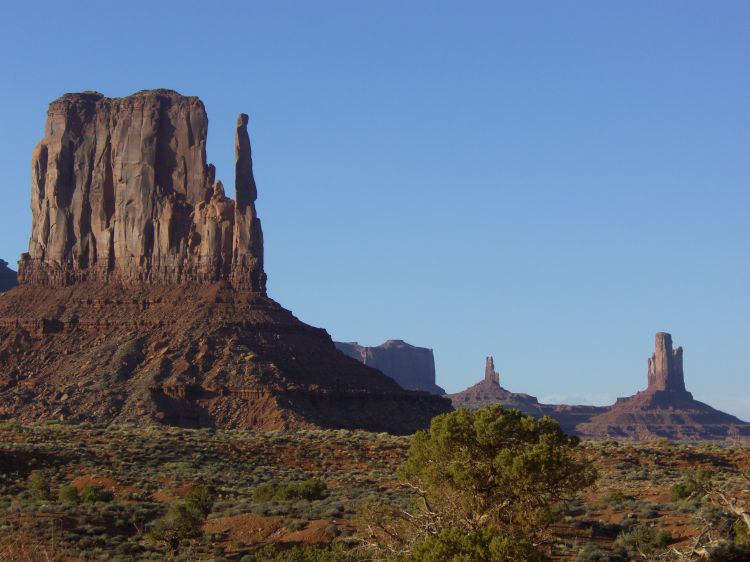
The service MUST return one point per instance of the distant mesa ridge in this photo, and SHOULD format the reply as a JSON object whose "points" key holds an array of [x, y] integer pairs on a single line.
{"points": [[665, 409], [410, 366], [142, 297]]}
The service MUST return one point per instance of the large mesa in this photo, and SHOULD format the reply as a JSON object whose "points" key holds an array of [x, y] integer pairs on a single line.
{"points": [[143, 293]]}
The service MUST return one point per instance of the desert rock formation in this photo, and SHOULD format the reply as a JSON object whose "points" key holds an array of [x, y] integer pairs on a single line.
{"points": [[143, 294], [489, 391], [410, 366], [8, 277], [664, 410]]}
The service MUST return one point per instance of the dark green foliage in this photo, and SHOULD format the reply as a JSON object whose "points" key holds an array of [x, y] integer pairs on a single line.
{"points": [[39, 486], [485, 544], [309, 490], [484, 485], [693, 483], [181, 522], [501, 466], [200, 499], [184, 519]]}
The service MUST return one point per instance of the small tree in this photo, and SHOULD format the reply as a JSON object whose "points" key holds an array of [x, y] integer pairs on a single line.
{"points": [[183, 520], [482, 482], [39, 486]]}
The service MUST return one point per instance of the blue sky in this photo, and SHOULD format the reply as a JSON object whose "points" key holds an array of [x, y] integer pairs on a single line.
{"points": [[548, 182]]}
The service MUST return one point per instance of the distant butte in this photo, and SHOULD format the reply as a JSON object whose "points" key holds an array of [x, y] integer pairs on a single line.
{"points": [[489, 391], [142, 297], [8, 277], [410, 366], [664, 410]]}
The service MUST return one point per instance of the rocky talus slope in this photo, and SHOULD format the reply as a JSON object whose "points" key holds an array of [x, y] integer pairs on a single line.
{"points": [[410, 366], [143, 294]]}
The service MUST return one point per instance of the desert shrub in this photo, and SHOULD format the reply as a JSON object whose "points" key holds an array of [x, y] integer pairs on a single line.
{"points": [[692, 483], [592, 553], [92, 493], [483, 481], [68, 494], [643, 539], [456, 545], [726, 551], [180, 522], [332, 553], [183, 520], [201, 499], [741, 533], [618, 498], [39, 486], [309, 490]]}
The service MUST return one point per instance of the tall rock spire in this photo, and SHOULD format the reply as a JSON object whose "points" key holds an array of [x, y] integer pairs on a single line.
{"points": [[665, 366], [247, 255], [490, 374]]}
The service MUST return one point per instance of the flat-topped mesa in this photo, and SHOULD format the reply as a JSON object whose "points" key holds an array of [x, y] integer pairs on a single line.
{"points": [[490, 374], [8, 277], [122, 192], [665, 366]]}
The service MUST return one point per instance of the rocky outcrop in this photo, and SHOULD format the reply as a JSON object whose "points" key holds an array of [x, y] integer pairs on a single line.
{"points": [[490, 374], [411, 367], [143, 296], [8, 277], [122, 191], [488, 391], [665, 409], [665, 366]]}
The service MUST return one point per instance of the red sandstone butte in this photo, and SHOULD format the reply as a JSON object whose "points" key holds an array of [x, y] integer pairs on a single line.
{"points": [[142, 297]]}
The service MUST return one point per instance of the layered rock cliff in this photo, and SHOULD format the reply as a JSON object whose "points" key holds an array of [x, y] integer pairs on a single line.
{"points": [[410, 366], [143, 294], [122, 191], [8, 277]]}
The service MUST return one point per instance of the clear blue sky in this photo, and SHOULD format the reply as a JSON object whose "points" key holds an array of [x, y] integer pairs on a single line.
{"points": [[548, 182]]}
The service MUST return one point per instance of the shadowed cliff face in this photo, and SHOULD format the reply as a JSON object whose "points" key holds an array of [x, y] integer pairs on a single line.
{"points": [[411, 367], [8, 277], [121, 191]]}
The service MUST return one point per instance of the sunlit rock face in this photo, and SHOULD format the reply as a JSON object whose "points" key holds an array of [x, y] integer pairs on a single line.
{"points": [[122, 191]]}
